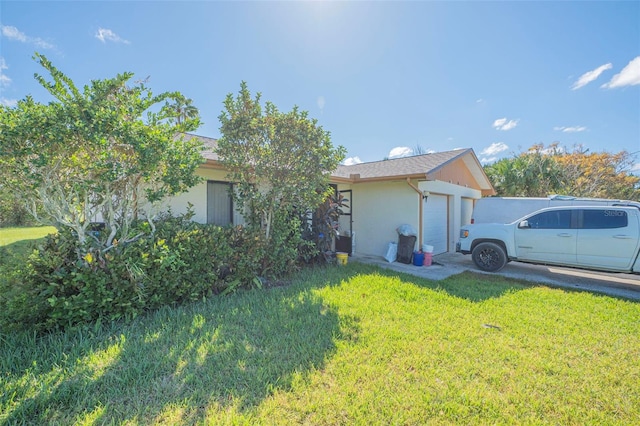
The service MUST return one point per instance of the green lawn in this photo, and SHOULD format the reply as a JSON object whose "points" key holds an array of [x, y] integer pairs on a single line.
{"points": [[341, 345], [17, 243]]}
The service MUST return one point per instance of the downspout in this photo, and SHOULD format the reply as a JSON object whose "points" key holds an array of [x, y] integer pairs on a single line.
{"points": [[422, 196]]}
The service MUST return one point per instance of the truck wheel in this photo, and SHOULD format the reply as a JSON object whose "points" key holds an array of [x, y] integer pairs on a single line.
{"points": [[489, 257]]}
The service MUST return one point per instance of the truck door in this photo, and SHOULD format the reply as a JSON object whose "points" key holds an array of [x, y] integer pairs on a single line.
{"points": [[607, 238], [548, 237]]}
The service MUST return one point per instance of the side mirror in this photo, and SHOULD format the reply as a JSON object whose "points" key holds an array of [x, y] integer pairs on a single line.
{"points": [[524, 224]]}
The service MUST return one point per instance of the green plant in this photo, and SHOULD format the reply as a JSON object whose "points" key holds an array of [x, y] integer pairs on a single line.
{"points": [[326, 222], [182, 261], [354, 345], [109, 150]]}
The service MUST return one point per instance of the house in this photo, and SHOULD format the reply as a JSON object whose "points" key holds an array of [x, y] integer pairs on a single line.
{"points": [[434, 193]]}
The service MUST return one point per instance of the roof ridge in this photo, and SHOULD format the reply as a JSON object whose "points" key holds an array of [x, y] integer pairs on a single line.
{"points": [[462, 150]]}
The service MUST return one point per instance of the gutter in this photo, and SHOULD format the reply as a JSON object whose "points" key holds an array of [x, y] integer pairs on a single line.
{"points": [[422, 196]]}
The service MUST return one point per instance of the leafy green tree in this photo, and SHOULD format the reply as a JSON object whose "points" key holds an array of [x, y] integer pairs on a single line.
{"points": [[104, 153], [534, 173], [541, 171], [182, 109], [280, 161]]}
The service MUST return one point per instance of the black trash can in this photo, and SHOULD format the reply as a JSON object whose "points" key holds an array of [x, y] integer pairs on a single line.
{"points": [[406, 244]]}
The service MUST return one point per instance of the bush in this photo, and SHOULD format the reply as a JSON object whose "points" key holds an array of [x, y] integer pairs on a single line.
{"points": [[12, 211], [182, 261]]}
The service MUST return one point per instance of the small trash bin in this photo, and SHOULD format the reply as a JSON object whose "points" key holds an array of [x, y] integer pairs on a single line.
{"points": [[418, 258], [428, 258], [406, 245], [342, 258]]}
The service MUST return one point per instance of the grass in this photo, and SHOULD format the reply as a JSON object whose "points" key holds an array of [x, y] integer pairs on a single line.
{"points": [[17, 243], [22, 235], [349, 345]]}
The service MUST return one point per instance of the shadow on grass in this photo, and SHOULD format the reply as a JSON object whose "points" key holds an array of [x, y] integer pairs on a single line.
{"points": [[227, 353], [467, 285], [14, 254]]}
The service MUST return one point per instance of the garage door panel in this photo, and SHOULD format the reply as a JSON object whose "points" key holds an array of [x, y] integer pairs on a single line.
{"points": [[435, 223]]}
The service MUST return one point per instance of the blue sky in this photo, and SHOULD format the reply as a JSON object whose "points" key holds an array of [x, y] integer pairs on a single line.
{"points": [[382, 77]]}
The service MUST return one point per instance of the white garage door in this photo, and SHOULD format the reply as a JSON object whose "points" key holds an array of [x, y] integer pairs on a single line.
{"points": [[435, 223]]}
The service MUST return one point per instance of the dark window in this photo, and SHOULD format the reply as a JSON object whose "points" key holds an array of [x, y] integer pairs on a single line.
{"points": [[604, 219], [219, 203], [555, 219]]}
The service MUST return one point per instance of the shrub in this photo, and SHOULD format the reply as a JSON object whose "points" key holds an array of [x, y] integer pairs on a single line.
{"points": [[181, 261]]}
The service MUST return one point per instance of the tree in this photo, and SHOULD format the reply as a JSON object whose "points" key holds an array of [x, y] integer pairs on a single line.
{"points": [[280, 162], [534, 173], [541, 171], [182, 109], [600, 174], [107, 152]]}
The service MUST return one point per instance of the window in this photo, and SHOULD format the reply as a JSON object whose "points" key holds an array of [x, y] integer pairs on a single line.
{"points": [[219, 203], [554, 219], [604, 219]]}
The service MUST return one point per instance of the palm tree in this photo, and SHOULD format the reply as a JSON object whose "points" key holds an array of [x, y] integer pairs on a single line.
{"points": [[182, 109]]}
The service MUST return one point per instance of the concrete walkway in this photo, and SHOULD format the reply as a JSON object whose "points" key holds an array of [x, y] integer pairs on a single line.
{"points": [[448, 264]]}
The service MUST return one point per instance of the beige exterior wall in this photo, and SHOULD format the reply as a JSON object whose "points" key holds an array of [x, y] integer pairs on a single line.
{"points": [[378, 208], [196, 195]]}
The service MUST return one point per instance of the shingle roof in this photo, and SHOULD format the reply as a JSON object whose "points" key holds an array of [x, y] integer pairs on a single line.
{"points": [[209, 145], [406, 166], [415, 166]]}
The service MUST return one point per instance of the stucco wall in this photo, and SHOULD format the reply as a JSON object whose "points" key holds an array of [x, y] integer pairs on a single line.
{"points": [[197, 195], [378, 209]]}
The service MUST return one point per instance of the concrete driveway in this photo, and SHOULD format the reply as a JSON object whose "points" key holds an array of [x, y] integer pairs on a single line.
{"points": [[447, 264]]}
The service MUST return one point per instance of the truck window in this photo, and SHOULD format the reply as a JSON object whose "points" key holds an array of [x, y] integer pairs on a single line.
{"points": [[555, 219], [604, 219]]}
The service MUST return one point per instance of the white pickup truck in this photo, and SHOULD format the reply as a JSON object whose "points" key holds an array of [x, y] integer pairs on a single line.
{"points": [[590, 237]]}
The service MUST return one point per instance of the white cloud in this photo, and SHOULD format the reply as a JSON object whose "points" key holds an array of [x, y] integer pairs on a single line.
{"points": [[4, 79], [572, 129], [503, 124], [105, 35], [589, 76], [400, 151], [494, 148], [8, 102], [351, 161], [12, 33], [321, 102], [485, 160], [629, 76]]}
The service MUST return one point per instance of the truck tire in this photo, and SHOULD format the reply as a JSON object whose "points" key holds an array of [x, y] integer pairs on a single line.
{"points": [[489, 257]]}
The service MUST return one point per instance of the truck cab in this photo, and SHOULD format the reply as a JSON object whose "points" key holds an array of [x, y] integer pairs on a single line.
{"points": [[590, 237]]}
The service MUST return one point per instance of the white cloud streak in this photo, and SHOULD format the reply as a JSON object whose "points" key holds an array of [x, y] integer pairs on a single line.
{"points": [[105, 34], [504, 124], [571, 129], [485, 160], [13, 33], [4, 79], [351, 161], [400, 151], [629, 76], [8, 102], [589, 76], [495, 148]]}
